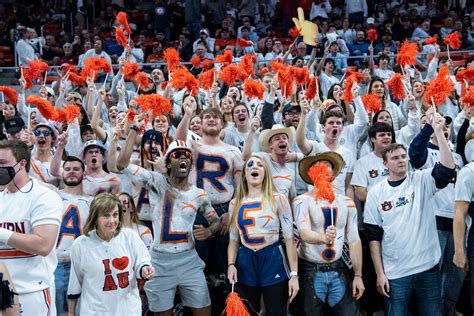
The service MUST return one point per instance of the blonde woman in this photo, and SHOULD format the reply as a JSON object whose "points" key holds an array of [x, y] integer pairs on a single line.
{"points": [[256, 262], [106, 262]]}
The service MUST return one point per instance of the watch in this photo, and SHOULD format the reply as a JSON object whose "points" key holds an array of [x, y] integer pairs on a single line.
{"points": [[293, 274]]}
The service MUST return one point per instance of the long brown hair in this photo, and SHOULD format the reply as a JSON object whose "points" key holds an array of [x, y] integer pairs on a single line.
{"points": [[102, 204]]}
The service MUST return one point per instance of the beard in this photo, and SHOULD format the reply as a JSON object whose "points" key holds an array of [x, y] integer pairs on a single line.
{"points": [[73, 183], [211, 132]]}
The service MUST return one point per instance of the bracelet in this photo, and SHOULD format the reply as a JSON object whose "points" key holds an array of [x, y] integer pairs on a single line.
{"points": [[134, 127], [358, 276], [230, 264]]}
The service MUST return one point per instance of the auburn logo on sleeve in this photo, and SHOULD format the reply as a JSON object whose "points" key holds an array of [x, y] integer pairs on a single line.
{"points": [[119, 264]]}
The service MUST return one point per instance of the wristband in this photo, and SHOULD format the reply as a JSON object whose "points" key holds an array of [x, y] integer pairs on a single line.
{"points": [[358, 276], [293, 274], [134, 127], [5, 235], [141, 270], [230, 264]]}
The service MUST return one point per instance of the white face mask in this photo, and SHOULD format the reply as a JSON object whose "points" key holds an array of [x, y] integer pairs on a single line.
{"points": [[469, 150]]}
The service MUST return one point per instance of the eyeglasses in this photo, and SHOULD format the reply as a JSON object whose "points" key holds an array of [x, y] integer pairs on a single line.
{"points": [[45, 133], [126, 203], [179, 153], [293, 113]]}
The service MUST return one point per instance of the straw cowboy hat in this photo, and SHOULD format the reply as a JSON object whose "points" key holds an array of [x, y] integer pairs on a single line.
{"points": [[332, 157], [267, 134]]}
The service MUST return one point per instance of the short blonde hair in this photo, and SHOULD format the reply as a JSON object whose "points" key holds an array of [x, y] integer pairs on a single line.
{"points": [[102, 204]]}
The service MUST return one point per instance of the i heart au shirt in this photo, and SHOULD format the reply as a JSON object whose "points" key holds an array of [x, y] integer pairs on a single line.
{"points": [[104, 274]]}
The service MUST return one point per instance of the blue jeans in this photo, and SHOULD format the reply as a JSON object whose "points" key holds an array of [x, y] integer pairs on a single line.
{"points": [[427, 287], [451, 277], [61, 280], [317, 288]]}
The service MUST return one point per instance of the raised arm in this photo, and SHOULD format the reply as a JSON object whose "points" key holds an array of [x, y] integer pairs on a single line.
{"points": [[445, 154], [126, 153], [183, 127], [300, 135], [55, 167], [98, 130], [247, 150]]}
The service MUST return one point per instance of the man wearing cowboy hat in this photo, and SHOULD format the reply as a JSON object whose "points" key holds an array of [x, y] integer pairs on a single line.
{"points": [[323, 227], [275, 146]]}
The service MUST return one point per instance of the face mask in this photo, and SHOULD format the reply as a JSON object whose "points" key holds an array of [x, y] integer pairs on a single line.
{"points": [[7, 174]]}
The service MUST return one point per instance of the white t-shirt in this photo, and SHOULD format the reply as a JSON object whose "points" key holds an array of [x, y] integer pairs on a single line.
{"points": [[410, 241], [74, 217], [326, 82], [368, 171], [214, 170], [174, 211], [41, 171], [257, 225], [21, 212], [385, 75], [315, 215], [443, 199], [104, 273]]}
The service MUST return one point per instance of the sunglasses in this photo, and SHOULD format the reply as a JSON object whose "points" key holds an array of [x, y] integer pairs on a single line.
{"points": [[45, 133], [179, 153]]}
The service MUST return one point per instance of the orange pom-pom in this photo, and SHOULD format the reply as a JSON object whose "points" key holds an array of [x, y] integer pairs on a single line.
{"points": [[225, 58], [196, 61], [277, 65], [76, 79], [47, 110], [431, 40], [142, 79], [234, 306], [322, 178], [465, 74], [171, 56], [93, 65], [247, 65], [230, 74], [372, 103], [155, 103], [207, 64], [467, 100], [207, 79], [312, 89], [351, 78], [130, 69], [395, 84], [69, 68], [439, 88], [372, 35], [301, 75], [71, 112], [285, 81], [254, 89], [243, 43], [130, 115], [10, 94], [294, 32], [122, 20], [453, 40], [182, 78], [121, 37], [35, 69], [407, 54], [263, 71]]}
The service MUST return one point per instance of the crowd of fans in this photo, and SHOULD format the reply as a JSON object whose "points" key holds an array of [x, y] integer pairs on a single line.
{"points": [[209, 27], [394, 231]]}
